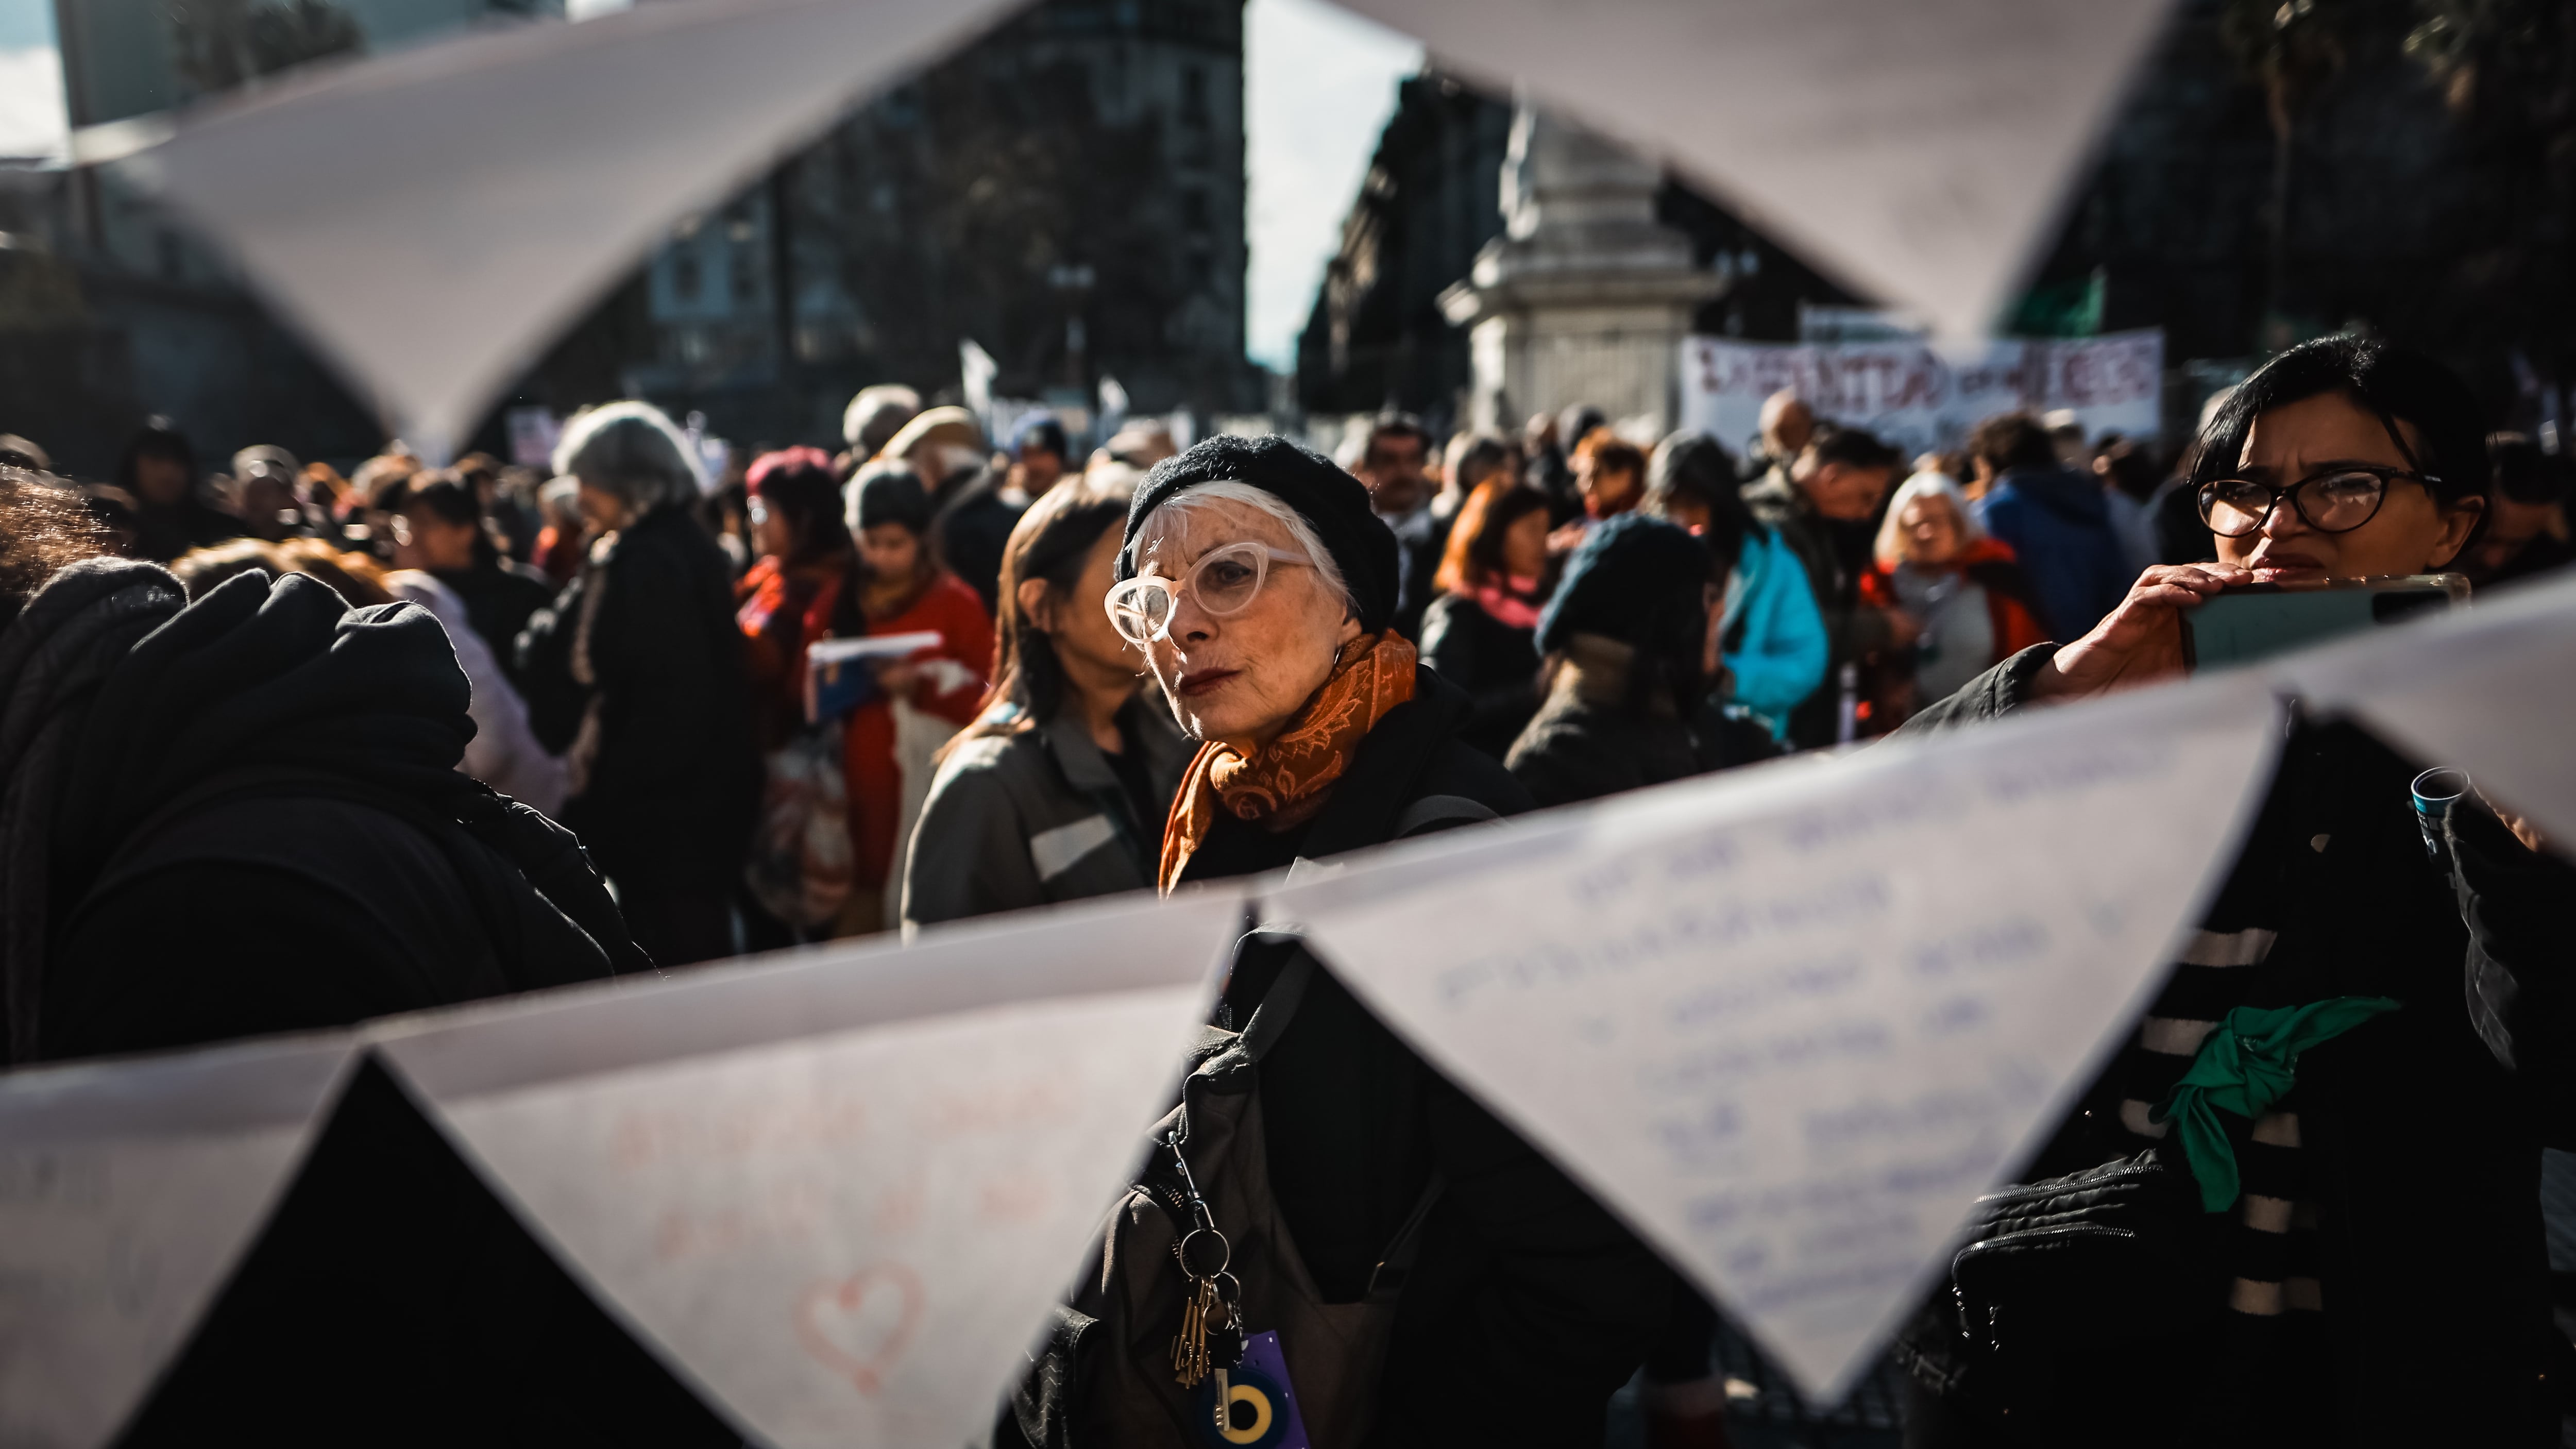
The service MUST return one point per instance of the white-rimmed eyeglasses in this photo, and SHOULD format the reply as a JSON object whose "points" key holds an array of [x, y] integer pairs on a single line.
{"points": [[1224, 581]]}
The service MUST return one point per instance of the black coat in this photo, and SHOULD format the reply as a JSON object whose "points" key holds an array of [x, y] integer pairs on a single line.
{"points": [[500, 598], [972, 528], [672, 780], [2421, 1130], [1529, 1304], [1494, 662], [162, 532], [1577, 750], [263, 830], [259, 827]]}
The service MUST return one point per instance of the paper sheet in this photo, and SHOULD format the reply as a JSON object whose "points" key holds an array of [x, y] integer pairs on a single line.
{"points": [[2489, 689], [839, 1195], [1921, 149], [128, 1191], [1790, 1023], [432, 220]]}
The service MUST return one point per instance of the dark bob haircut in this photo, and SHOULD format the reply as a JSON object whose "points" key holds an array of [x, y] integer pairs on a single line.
{"points": [[2395, 384]]}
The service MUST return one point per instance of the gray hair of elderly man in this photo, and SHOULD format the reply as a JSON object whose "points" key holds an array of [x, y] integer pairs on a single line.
{"points": [[876, 415], [632, 450], [1171, 518]]}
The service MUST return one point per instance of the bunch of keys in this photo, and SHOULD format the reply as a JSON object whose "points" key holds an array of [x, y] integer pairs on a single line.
{"points": [[1211, 1336]]}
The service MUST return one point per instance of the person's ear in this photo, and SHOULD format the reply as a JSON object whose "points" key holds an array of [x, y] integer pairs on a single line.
{"points": [[2458, 522], [1037, 604], [1350, 630]]}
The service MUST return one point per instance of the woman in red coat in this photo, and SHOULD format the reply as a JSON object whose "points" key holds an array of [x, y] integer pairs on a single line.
{"points": [[921, 699]]}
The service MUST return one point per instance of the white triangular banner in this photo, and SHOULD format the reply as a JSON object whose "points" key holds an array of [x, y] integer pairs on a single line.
{"points": [[1919, 149], [2488, 689], [433, 219], [1790, 1022], [838, 1195], [128, 1192]]}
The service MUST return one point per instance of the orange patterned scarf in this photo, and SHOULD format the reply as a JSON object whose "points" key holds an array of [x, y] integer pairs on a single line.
{"points": [[1287, 783]]}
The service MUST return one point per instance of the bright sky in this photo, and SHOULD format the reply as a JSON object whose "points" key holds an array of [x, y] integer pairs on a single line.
{"points": [[31, 81], [1319, 84]]}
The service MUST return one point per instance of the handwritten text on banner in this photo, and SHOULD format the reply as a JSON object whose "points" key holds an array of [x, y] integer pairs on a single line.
{"points": [[1918, 397], [1792, 1023]]}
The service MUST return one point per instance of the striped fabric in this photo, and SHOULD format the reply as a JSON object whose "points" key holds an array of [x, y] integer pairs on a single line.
{"points": [[2275, 1238]]}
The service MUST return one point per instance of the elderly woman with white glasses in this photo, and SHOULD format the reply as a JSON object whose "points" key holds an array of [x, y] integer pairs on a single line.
{"points": [[1259, 586]]}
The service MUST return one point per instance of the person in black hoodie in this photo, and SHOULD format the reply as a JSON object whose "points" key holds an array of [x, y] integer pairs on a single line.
{"points": [[1261, 587], [636, 676], [244, 815], [2361, 1263]]}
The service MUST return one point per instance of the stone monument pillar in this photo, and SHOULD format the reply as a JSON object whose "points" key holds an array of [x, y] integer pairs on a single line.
{"points": [[1585, 297]]}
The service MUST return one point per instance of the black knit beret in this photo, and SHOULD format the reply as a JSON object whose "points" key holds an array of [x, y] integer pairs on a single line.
{"points": [[1636, 579], [1332, 502]]}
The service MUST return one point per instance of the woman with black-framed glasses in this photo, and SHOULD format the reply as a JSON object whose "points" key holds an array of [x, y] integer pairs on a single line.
{"points": [[2361, 1261]]}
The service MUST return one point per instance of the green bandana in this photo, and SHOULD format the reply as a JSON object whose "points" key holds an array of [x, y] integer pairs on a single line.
{"points": [[2247, 1063]]}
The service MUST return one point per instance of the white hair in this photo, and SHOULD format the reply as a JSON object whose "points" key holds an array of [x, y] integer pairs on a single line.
{"points": [[633, 450], [1171, 516], [885, 400], [1891, 530]]}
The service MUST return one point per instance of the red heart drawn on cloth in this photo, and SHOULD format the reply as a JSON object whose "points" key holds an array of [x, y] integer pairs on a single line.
{"points": [[858, 1326]]}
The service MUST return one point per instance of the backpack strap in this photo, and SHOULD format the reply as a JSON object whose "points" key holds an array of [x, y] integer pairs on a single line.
{"points": [[1387, 1280], [1441, 812], [1279, 1004]]}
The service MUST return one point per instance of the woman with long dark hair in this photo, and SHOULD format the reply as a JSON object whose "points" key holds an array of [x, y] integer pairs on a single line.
{"points": [[1059, 788], [1478, 632]]}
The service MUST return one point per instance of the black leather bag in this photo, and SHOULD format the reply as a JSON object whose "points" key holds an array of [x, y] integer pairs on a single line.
{"points": [[2069, 1310]]}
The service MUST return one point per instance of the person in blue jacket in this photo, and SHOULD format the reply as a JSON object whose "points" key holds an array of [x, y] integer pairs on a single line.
{"points": [[2055, 519], [1770, 638]]}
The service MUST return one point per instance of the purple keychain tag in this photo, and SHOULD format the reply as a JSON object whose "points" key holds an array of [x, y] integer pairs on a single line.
{"points": [[1252, 1405]]}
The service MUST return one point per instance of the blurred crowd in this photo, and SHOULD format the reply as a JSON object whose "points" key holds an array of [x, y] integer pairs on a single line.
{"points": [[641, 637]]}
